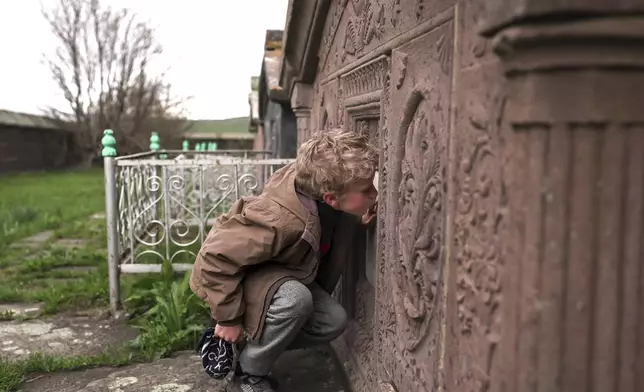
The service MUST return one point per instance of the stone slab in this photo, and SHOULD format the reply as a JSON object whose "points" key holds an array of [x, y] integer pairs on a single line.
{"points": [[302, 370], [35, 241], [22, 309], [70, 243], [76, 268], [61, 335]]}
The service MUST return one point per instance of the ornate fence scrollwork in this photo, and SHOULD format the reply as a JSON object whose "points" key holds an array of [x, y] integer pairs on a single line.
{"points": [[166, 206]]}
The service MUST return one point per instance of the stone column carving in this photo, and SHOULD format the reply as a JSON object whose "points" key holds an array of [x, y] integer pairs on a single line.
{"points": [[301, 102], [573, 318], [303, 116]]}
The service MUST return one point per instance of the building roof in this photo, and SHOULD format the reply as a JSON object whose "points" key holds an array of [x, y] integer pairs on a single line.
{"points": [[230, 128], [25, 120]]}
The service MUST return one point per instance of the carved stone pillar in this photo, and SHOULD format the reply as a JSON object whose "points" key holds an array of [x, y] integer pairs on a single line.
{"points": [[573, 318], [301, 101], [303, 116]]}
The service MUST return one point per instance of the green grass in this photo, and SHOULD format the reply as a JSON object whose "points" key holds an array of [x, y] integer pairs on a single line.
{"points": [[13, 374], [39, 280], [34, 202], [62, 203]]}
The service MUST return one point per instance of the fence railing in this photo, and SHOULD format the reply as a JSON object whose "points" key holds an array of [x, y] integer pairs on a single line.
{"points": [[161, 204]]}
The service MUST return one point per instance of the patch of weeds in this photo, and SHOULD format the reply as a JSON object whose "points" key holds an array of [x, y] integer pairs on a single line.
{"points": [[91, 230], [14, 256], [7, 315], [175, 317], [51, 277], [13, 374], [62, 257], [59, 295], [74, 294]]}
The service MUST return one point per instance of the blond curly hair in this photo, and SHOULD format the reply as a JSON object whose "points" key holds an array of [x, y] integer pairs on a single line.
{"points": [[330, 161]]}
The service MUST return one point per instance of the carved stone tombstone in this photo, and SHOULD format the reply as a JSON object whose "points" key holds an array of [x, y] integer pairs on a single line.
{"points": [[510, 210], [410, 295], [361, 100]]}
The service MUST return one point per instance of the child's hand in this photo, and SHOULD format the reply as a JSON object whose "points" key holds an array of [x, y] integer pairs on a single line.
{"points": [[369, 216], [232, 334]]}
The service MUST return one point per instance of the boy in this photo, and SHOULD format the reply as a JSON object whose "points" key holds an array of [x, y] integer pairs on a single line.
{"points": [[267, 266]]}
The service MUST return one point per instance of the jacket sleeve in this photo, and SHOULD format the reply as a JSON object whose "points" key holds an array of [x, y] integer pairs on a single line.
{"points": [[246, 236]]}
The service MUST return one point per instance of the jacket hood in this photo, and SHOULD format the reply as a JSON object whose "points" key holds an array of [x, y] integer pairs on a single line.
{"points": [[281, 189]]}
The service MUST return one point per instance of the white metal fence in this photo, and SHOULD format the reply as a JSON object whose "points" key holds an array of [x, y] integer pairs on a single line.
{"points": [[162, 208]]}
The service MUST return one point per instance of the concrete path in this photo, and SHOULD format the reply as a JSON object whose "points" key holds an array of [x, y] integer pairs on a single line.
{"points": [[62, 335], [92, 332], [302, 370]]}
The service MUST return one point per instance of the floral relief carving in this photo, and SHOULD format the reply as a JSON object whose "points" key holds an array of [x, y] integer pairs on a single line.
{"points": [[396, 9], [480, 212], [331, 32], [403, 71], [419, 243], [420, 7], [367, 23], [341, 97], [444, 49], [367, 78], [416, 127], [362, 127], [384, 154]]}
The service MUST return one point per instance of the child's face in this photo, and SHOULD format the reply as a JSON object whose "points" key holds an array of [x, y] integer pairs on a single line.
{"points": [[356, 200]]}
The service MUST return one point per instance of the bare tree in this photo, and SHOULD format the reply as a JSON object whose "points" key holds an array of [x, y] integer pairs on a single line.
{"points": [[102, 65]]}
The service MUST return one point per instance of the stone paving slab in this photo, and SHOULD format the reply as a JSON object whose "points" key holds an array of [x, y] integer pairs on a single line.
{"points": [[76, 268], [22, 309], [302, 370], [35, 241], [70, 243], [81, 335]]}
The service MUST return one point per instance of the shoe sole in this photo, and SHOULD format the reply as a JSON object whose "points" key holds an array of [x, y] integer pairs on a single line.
{"points": [[233, 386]]}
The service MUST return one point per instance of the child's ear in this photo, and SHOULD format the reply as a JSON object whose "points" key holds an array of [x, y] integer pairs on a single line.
{"points": [[330, 199]]}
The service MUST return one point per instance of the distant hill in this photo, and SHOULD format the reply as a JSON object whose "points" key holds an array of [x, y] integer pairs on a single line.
{"points": [[225, 126]]}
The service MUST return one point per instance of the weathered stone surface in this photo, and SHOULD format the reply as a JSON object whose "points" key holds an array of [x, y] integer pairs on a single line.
{"points": [[35, 241], [98, 216], [310, 370], [70, 243], [66, 336], [76, 268], [21, 309]]}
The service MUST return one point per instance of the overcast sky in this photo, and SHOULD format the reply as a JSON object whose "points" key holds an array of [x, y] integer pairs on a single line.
{"points": [[212, 46]]}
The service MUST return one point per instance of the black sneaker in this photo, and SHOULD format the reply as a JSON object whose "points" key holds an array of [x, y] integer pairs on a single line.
{"points": [[248, 383], [240, 374]]}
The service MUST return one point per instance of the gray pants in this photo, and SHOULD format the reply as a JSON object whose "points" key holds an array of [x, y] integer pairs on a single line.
{"points": [[299, 316]]}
